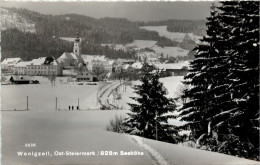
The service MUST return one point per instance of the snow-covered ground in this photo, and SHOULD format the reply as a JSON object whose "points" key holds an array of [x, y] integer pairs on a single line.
{"points": [[70, 39], [84, 131], [124, 92], [43, 96], [170, 51], [142, 44], [175, 36]]}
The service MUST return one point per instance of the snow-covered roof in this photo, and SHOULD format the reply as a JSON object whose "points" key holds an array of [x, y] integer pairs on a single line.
{"points": [[11, 61], [22, 64], [137, 65], [67, 55], [38, 61], [125, 66], [172, 65], [110, 62], [41, 60], [55, 62]]}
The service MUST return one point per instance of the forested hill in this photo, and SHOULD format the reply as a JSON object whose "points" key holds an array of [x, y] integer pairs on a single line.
{"points": [[198, 27], [48, 28], [30, 45]]}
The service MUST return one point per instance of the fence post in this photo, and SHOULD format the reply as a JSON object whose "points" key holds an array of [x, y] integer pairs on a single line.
{"points": [[78, 104], [27, 102], [56, 103]]}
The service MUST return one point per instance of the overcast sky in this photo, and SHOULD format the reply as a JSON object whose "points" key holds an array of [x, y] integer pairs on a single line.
{"points": [[136, 11]]}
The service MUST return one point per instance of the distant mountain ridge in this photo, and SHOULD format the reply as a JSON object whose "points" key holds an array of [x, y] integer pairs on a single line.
{"points": [[105, 30], [94, 32]]}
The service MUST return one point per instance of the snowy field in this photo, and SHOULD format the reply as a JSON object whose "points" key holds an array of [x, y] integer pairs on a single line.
{"points": [[70, 39], [175, 36], [43, 96], [84, 131], [142, 44]]}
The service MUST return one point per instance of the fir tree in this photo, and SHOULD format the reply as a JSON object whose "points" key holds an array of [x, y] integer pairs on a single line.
{"points": [[223, 107], [206, 75], [149, 117], [238, 129]]}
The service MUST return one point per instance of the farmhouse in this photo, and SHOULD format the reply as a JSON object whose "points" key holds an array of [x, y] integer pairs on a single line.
{"points": [[86, 76], [176, 69]]}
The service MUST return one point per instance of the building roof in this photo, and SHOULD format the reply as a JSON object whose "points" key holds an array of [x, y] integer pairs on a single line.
{"points": [[110, 62], [41, 60], [125, 66], [38, 61], [22, 64], [11, 61], [173, 65], [67, 55], [137, 65]]}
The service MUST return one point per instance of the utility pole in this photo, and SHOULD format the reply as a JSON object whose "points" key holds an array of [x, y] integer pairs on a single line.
{"points": [[56, 103], [156, 129], [27, 102], [78, 104]]}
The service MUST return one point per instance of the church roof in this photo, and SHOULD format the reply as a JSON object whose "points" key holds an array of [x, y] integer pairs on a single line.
{"points": [[67, 55]]}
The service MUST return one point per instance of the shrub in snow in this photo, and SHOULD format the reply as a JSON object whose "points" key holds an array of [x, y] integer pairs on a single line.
{"points": [[116, 124]]}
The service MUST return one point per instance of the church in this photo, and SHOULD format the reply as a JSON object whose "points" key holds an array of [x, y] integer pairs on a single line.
{"points": [[70, 60]]}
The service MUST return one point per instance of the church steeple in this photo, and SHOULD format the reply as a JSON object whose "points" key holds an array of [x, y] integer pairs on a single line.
{"points": [[77, 39], [77, 46]]}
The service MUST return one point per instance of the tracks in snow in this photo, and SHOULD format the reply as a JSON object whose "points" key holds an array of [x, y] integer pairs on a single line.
{"points": [[158, 159]]}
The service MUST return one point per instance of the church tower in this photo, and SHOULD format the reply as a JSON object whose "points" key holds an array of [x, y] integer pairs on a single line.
{"points": [[77, 46]]}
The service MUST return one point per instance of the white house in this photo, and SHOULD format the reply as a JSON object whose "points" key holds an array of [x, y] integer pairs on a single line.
{"points": [[37, 67], [86, 76], [108, 65], [8, 63], [20, 68]]}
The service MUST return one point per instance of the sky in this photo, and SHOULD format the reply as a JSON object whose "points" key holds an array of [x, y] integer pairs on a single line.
{"points": [[134, 11]]}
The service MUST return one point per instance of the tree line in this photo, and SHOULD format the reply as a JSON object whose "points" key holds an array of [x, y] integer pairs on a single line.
{"points": [[29, 46], [221, 95]]}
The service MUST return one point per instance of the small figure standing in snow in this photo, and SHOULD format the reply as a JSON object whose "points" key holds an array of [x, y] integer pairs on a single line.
{"points": [[72, 108], [69, 107], [77, 107]]}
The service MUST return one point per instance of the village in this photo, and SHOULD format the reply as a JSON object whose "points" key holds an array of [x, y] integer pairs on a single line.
{"points": [[90, 68]]}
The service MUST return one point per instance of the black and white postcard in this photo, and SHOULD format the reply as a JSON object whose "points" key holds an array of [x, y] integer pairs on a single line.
{"points": [[129, 83]]}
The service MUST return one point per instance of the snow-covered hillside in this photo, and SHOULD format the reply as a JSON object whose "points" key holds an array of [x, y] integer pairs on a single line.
{"points": [[13, 20], [175, 36], [70, 39], [84, 131], [142, 44]]}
